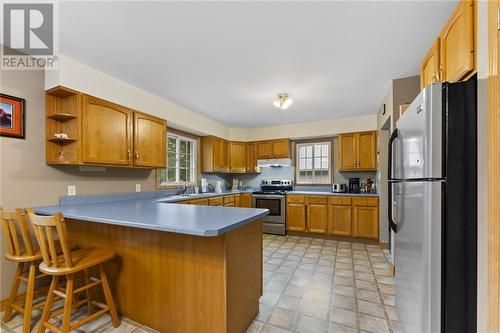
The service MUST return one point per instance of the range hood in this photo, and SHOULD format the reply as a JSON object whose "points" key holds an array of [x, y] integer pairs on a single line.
{"points": [[275, 162]]}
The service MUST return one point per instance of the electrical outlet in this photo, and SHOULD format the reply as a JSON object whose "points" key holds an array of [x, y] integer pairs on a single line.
{"points": [[138, 187], [71, 189]]}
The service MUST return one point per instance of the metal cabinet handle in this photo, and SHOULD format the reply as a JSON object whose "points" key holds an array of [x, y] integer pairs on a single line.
{"points": [[136, 155], [129, 154]]}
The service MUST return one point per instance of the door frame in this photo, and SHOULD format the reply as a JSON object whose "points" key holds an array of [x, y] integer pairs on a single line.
{"points": [[493, 168]]}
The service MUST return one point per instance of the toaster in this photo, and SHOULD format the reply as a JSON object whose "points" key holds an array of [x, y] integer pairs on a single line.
{"points": [[339, 188]]}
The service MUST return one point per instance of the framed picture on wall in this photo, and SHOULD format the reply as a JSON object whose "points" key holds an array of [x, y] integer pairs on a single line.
{"points": [[12, 118]]}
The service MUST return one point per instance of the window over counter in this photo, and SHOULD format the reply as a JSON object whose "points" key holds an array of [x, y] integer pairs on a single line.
{"points": [[313, 163], [181, 161]]}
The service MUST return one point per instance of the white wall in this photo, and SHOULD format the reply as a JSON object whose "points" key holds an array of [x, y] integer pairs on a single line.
{"points": [[78, 76]]}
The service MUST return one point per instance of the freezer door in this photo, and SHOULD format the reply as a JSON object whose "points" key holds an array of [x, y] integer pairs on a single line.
{"points": [[418, 256], [420, 137]]}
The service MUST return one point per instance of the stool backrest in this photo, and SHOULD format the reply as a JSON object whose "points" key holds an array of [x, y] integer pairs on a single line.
{"points": [[12, 222], [47, 230]]}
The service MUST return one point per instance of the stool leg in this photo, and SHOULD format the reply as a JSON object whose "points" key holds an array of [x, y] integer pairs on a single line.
{"points": [[30, 289], [109, 298], [13, 292], [68, 303], [89, 292], [48, 304]]}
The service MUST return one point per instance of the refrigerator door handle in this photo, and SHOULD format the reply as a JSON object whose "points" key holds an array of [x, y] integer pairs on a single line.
{"points": [[392, 224]]}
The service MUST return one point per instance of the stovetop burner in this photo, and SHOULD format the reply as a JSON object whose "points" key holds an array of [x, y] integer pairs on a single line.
{"points": [[271, 192]]}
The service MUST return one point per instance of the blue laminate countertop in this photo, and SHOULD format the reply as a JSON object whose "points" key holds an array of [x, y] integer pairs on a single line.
{"points": [[334, 193], [162, 214]]}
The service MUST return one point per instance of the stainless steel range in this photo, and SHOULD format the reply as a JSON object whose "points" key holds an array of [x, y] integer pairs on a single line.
{"points": [[272, 196]]}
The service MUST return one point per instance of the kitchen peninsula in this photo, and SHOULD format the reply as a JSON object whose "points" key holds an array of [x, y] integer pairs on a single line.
{"points": [[180, 268]]}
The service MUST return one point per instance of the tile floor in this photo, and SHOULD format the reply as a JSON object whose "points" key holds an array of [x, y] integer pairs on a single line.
{"points": [[316, 285], [310, 285]]}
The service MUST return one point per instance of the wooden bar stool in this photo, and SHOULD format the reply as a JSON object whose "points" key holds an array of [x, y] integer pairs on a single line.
{"points": [[70, 264], [22, 251]]}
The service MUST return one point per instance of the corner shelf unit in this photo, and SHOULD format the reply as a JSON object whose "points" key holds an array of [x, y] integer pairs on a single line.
{"points": [[63, 113]]}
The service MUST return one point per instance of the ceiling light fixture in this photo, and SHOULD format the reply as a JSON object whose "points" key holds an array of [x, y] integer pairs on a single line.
{"points": [[282, 101]]}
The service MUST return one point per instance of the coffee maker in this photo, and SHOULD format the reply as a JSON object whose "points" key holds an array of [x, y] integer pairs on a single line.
{"points": [[354, 185]]}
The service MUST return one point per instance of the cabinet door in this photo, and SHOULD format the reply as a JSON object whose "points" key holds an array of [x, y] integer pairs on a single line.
{"points": [[106, 133], [340, 220], [457, 43], [150, 140], [316, 218], [251, 159], [237, 156], [296, 217], [280, 148], [365, 222], [367, 150], [429, 69], [263, 149], [220, 154], [245, 200], [348, 151]]}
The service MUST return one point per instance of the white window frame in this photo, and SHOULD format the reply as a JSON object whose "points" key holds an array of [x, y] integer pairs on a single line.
{"points": [[297, 158], [194, 161]]}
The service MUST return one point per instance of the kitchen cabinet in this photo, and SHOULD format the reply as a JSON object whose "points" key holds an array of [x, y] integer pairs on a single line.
{"points": [[339, 218], [316, 218], [264, 149], [214, 154], [237, 156], [101, 132], [358, 151], [245, 200], [333, 215], [218, 201], [200, 202], [251, 158], [296, 216], [365, 222], [457, 43], [278, 148], [150, 135], [452, 56], [429, 68], [106, 133]]}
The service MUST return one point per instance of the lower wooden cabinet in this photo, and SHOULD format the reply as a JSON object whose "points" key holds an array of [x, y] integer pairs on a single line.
{"points": [[296, 216], [334, 215], [245, 200], [339, 219], [316, 218], [365, 222]]}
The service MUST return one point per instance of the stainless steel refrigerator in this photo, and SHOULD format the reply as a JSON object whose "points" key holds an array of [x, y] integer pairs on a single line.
{"points": [[433, 209]]}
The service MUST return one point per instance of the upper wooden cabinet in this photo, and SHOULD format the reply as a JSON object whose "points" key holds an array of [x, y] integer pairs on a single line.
{"points": [[358, 151], [251, 158], [237, 156], [150, 135], [101, 132], [214, 154], [452, 56], [106, 133], [429, 69], [278, 148], [457, 43]]}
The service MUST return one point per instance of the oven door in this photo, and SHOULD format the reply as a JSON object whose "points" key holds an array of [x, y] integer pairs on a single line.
{"points": [[275, 204]]}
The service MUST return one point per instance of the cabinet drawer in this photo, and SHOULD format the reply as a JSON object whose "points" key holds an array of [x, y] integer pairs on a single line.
{"points": [[229, 204], [296, 198], [365, 201], [202, 202], [318, 199], [228, 199], [215, 201], [341, 201]]}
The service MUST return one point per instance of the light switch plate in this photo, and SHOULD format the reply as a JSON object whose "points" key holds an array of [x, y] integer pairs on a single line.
{"points": [[138, 187], [71, 189]]}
